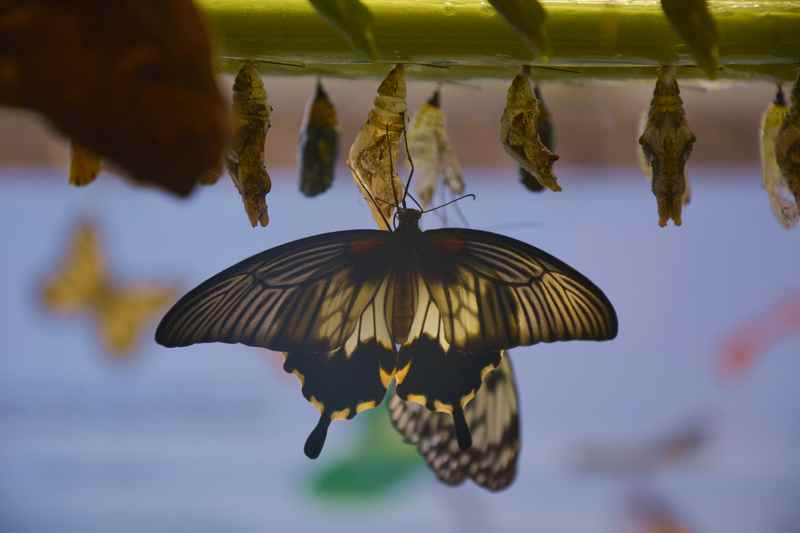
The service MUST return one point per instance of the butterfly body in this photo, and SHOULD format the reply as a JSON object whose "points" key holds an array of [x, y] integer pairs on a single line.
{"points": [[355, 310]]}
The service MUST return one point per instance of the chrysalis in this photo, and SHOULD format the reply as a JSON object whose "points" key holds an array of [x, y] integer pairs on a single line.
{"points": [[432, 153], [787, 145], [519, 135], [375, 149], [780, 197], [666, 142], [245, 161], [81, 285], [319, 144], [544, 127], [84, 165]]}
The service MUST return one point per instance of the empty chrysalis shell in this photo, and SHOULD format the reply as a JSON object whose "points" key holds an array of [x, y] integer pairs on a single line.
{"points": [[546, 131], [245, 161], [319, 144], [84, 165], [432, 153], [781, 200], [375, 150], [519, 134], [666, 142], [787, 144]]}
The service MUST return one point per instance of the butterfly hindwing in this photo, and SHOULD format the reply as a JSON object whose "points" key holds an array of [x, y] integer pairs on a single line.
{"points": [[433, 373], [493, 418], [306, 295], [348, 380], [495, 292]]}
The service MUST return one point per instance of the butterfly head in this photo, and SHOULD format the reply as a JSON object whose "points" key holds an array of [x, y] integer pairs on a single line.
{"points": [[408, 219]]}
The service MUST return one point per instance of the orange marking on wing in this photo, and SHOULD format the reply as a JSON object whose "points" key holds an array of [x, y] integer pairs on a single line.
{"points": [[360, 247], [451, 245]]}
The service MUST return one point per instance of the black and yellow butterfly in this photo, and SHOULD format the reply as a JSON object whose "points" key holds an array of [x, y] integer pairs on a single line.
{"points": [[493, 420], [340, 303]]}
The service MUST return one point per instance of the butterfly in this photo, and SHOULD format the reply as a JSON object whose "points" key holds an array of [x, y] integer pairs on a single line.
{"points": [[493, 419], [82, 286], [354, 310]]}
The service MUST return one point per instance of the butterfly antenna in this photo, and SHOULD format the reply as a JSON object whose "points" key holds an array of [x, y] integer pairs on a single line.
{"points": [[419, 206], [470, 195], [410, 163]]}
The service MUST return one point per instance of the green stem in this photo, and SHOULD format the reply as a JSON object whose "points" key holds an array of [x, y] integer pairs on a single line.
{"points": [[597, 39]]}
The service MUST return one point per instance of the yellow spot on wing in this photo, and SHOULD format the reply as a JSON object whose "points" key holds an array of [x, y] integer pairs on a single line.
{"points": [[340, 415], [485, 371], [364, 406], [386, 377], [467, 398], [300, 377], [400, 375], [317, 404], [418, 398], [443, 407]]}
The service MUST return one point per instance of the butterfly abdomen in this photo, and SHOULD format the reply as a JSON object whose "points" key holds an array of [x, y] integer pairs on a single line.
{"points": [[404, 305]]}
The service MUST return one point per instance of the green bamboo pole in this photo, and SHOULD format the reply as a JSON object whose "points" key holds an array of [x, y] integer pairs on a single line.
{"points": [[589, 38]]}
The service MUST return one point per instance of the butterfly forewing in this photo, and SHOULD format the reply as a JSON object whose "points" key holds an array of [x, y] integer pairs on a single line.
{"points": [[493, 418], [495, 292], [306, 295]]}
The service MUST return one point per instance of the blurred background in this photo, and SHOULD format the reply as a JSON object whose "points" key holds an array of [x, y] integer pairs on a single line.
{"points": [[209, 438]]}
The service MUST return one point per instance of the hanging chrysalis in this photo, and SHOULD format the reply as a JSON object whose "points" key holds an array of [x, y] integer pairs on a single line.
{"points": [[666, 143], [544, 127], [519, 135], [84, 165], [319, 144], [432, 153], [245, 161], [787, 145], [81, 285], [780, 197], [375, 149]]}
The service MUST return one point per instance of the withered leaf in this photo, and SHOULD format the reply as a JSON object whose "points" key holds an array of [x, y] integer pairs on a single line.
{"points": [[666, 143], [319, 144], [245, 160], [783, 204], [519, 133], [375, 150], [527, 17], [84, 165], [694, 23], [432, 152], [130, 80], [353, 19]]}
